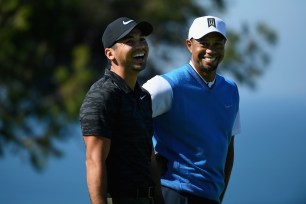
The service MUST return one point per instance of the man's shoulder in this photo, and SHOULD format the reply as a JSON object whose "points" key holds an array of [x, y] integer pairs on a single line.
{"points": [[104, 84], [226, 80], [164, 81], [102, 90]]}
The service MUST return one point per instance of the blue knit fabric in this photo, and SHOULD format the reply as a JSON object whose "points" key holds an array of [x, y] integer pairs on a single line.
{"points": [[196, 147]]}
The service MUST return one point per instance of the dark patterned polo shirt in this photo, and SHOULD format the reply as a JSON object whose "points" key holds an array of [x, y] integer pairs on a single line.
{"points": [[112, 110]]}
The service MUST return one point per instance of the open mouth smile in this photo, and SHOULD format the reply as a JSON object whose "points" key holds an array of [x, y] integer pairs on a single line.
{"points": [[210, 59], [139, 56]]}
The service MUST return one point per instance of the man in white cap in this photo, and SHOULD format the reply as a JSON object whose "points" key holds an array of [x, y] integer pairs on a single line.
{"points": [[196, 115]]}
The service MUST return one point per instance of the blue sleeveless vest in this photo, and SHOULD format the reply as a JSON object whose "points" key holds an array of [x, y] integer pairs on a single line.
{"points": [[195, 133]]}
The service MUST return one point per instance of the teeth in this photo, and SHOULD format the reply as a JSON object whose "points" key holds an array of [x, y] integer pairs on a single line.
{"points": [[139, 55], [210, 59]]}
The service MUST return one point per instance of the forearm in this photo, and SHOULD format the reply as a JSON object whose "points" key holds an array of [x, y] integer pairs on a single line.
{"points": [[97, 182], [228, 167], [97, 150], [227, 175]]}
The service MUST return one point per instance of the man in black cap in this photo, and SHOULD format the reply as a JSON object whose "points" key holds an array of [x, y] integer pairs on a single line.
{"points": [[116, 122]]}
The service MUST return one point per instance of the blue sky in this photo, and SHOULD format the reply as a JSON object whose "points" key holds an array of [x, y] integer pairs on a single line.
{"points": [[270, 162], [286, 74]]}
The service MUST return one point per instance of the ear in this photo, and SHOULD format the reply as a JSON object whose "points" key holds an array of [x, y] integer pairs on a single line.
{"points": [[109, 53], [188, 44]]}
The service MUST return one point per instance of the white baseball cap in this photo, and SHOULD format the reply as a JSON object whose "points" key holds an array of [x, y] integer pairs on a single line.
{"points": [[206, 24]]}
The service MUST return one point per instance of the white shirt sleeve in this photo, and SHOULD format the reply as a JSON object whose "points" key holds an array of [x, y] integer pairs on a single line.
{"points": [[161, 94], [237, 127]]}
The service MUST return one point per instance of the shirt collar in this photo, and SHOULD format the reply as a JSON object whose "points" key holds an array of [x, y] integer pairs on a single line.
{"points": [[121, 83]]}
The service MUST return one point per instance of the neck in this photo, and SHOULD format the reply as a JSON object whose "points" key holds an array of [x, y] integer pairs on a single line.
{"points": [[208, 76], [130, 77]]}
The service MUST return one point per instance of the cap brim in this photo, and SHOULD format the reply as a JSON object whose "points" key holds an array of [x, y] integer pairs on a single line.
{"points": [[218, 32], [145, 27]]}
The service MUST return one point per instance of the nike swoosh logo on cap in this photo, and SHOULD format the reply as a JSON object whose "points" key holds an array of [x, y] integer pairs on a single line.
{"points": [[126, 22]]}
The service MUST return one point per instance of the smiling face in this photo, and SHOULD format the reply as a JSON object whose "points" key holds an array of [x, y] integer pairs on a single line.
{"points": [[130, 52], [206, 53]]}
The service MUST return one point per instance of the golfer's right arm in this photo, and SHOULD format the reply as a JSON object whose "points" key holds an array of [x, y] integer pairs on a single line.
{"points": [[97, 150], [161, 95]]}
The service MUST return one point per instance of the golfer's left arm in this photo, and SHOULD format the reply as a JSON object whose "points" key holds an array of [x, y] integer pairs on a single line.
{"points": [[230, 154], [228, 166]]}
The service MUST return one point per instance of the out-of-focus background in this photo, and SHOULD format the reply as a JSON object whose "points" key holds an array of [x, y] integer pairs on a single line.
{"points": [[51, 51]]}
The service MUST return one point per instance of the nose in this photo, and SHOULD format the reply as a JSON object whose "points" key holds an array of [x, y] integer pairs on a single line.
{"points": [[141, 44], [209, 49]]}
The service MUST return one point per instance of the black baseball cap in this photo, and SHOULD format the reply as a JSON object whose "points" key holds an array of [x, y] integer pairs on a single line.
{"points": [[120, 27]]}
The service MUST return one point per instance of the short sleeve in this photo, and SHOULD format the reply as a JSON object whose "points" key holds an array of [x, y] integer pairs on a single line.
{"points": [[95, 118], [237, 127], [161, 94]]}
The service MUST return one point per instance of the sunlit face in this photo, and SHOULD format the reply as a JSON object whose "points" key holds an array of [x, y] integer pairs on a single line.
{"points": [[131, 52], [207, 52]]}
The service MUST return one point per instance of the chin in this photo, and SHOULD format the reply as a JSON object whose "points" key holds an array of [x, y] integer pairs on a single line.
{"points": [[209, 69], [139, 69]]}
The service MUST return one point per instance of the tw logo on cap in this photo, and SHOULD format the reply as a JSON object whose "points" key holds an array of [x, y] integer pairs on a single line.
{"points": [[211, 22]]}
